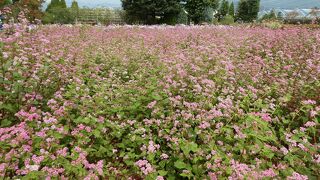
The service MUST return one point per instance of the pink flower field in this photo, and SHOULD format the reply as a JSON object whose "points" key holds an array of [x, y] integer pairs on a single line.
{"points": [[159, 102]]}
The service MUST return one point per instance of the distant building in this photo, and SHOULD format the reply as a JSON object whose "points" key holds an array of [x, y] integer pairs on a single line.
{"points": [[96, 16], [293, 15]]}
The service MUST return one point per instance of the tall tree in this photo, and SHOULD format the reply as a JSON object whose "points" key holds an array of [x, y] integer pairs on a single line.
{"points": [[53, 4], [75, 9], [62, 4], [248, 10], [254, 7], [151, 11], [197, 8], [57, 12], [224, 8], [74, 5], [231, 9]]}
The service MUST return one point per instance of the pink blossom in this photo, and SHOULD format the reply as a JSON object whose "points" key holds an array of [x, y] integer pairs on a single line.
{"points": [[152, 104], [309, 102], [297, 176], [37, 159], [164, 156], [284, 150], [160, 178], [152, 147], [62, 152], [204, 125], [268, 173], [212, 176], [144, 166], [310, 124]]}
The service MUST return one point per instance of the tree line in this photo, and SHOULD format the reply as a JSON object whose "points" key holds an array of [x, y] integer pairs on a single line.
{"points": [[196, 11], [148, 11]]}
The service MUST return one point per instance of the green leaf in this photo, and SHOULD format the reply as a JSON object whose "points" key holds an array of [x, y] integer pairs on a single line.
{"points": [[156, 97], [193, 146], [96, 133], [189, 147], [180, 164], [162, 172], [5, 123], [186, 175]]}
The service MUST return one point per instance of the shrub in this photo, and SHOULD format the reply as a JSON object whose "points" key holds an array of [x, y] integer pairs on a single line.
{"points": [[227, 20], [272, 24]]}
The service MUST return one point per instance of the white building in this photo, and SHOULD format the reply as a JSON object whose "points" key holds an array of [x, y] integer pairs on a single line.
{"points": [[293, 14]]}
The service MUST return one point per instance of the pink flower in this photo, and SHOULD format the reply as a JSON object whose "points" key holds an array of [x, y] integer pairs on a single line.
{"points": [[164, 156], [153, 147], [144, 166], [101, 119], [99, 167], [63, 152], [160, 178], [33, 167], [268, 173], [313, 113], [37, 159], [310, 124], [204, 125], [264, 116], [152, 104], [284, 150], [309, 102], [5, 55], [2, 169], [212, 176], [297, 176], [50, 120], [317, 159], [41, 134], [53, 171], [26, 148]]}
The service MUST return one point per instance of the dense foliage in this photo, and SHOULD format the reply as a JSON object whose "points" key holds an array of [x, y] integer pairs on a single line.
{"points": [[224, 9], [57, 12], [196, 9], [159, 103], [248, 10], [152, 12]]}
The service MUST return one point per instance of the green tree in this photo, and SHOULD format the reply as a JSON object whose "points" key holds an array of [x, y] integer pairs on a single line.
{"points": [[248, 10], [62, 4], [196, 9], [74, 5], [75, 9], [254, 7], [151, 11], [53, 4], [231, 9], [224, 8], [57, 12]]}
